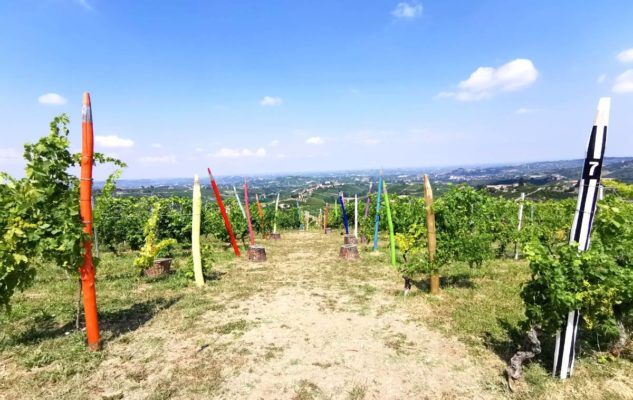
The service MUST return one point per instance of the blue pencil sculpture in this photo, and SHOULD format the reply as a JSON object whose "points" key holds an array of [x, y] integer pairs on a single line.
{"points": [[340, 197], [377, 212]]}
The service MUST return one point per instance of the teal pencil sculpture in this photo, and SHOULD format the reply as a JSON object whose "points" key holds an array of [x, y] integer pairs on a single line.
{"points": [[392, 241], [239, 203]]}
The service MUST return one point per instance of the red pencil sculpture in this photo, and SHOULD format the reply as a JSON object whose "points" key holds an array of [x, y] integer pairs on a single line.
{"points": [[251, 236], [227, 223], [87, 271]]}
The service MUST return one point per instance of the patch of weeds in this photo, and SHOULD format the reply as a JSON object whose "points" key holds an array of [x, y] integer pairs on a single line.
{"points": [[358, 392], [163, 391], [137, 374], [237, 328], [322, 365], [398, 342], [306, 390], [201, 377], [272, 351]]}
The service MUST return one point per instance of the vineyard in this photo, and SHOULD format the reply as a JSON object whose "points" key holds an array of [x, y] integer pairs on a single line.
{"points": [[305, 324]]}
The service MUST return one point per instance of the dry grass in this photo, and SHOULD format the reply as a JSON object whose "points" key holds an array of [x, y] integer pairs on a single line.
{"points": [[303, 325]]}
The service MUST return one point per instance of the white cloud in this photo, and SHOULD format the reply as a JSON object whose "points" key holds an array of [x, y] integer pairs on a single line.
{"points": [[314, 140], [9, 154], [406, 10], [226, 152], [626, 56], [274, 143], [85, 4], [601, 78], [624, 82], [524, 110], [113, 141], [367, 138], [52, 99], [486, 82], [370, 141], [270, 101], [168, 159]]}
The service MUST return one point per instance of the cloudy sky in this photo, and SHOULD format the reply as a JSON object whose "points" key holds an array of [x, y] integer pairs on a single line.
{"points": [[249, 87]]}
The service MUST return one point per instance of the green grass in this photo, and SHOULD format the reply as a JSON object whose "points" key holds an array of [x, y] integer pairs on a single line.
{"points": [[481, 307]]}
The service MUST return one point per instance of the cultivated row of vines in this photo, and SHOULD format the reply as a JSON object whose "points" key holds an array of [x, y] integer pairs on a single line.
{"points": [[40, 225]]}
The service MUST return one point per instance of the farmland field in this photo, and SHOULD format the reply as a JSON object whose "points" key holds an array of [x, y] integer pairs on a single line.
{"points": [[303, 325]]}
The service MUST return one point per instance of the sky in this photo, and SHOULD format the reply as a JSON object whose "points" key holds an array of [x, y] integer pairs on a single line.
{"points": [[255, 87]]}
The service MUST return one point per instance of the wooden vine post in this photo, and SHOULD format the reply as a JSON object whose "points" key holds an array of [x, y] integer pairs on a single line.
{"points": [[251, 235], [432, 240], [225, 217], [195, 232], [87, 271], [261, 215]]}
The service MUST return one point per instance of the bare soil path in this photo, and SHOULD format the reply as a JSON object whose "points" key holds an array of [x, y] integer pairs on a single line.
{"points": [[303, 325]]}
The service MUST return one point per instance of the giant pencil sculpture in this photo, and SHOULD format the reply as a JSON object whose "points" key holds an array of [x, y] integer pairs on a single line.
{"points": [[356, 216], [195, 232], [345, 222], [225, 217], [588, 189], [379, 190], [368, 200], [299, 214], [86, 270], [261, 215], [239, 203], [392, 241], [251, 236], [519, 225], [275, 216]]}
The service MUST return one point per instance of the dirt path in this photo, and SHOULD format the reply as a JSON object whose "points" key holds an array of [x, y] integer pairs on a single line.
{"points": [[304, 325]]}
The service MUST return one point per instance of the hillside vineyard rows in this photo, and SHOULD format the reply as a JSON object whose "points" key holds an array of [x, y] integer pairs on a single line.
{"points": [[161, 279]]}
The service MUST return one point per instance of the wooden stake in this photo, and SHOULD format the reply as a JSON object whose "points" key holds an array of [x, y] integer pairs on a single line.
{"points": [[251, 235], [430, 227], [261, 215]]}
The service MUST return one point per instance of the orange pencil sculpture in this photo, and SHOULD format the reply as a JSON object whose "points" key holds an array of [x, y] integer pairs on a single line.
{"points": [[87, 271]]}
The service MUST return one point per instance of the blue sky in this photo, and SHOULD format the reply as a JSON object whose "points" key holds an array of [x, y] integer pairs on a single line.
{"points": [[250, 87]]}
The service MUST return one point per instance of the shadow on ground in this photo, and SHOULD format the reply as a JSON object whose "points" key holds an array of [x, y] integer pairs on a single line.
{"points": [[114, 323]]}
